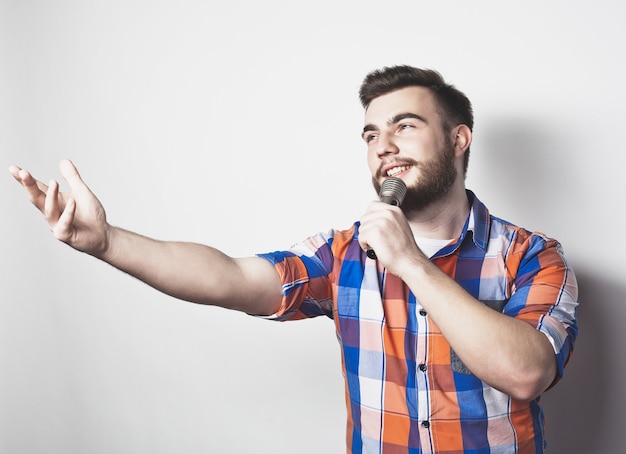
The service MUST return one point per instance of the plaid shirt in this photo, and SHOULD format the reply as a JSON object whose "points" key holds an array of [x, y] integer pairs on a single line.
{"points": [[406, 389]]}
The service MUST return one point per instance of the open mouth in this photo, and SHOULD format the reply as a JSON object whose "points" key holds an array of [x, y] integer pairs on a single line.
{"points": [[397, 170]]}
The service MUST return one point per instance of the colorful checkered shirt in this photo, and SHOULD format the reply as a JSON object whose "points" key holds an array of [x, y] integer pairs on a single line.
{"points": [[406, 389]]}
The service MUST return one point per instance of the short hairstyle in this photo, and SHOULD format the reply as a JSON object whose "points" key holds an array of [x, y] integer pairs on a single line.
{"points": [[454, 107]]}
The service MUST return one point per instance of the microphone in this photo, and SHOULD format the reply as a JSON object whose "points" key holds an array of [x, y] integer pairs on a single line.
{"points": [[392, 191]]}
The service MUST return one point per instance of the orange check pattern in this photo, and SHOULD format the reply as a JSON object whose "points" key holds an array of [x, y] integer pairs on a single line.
{"points": [[406, 389]]}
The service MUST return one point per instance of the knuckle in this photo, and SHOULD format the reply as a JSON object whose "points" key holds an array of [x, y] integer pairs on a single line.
{"points": [[61, 235]]}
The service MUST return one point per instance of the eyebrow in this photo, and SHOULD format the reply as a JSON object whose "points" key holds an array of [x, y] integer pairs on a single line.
{"points": [[394, 120]]}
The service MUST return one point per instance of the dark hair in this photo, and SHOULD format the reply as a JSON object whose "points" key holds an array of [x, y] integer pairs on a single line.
{"points": [[454, 107]]}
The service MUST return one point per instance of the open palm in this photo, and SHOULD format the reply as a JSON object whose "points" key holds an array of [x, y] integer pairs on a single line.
{"points": [[76, 217]]}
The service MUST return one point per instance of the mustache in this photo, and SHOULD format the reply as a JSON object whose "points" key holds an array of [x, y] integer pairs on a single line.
{"points": [[395, 162]]}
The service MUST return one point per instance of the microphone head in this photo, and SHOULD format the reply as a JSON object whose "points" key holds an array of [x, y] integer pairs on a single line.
{"points": [[392, 191]]}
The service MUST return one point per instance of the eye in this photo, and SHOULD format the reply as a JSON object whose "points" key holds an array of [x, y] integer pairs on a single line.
{"points": [[405, 126], [369, 137]]}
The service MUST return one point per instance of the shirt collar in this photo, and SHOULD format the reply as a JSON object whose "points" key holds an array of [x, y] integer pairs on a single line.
{"points": [[477, 223]]}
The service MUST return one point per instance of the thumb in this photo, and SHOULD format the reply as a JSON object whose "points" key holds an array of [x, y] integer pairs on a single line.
{"points": [[70, 174]]}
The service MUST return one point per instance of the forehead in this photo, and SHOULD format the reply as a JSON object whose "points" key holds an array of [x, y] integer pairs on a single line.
{"points": [[417, 100]]}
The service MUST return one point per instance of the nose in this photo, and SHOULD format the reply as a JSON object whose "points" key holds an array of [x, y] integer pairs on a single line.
{"points": [[386, 145]]}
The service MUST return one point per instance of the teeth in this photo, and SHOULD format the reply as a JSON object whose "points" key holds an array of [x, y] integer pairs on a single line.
{"points": [[396, 170]]}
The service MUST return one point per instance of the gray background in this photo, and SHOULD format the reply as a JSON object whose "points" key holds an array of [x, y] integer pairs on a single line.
{"points": [[166, 106]]}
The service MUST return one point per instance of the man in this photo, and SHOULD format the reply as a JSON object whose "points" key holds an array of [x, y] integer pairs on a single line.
{"points": [[449, 336]]}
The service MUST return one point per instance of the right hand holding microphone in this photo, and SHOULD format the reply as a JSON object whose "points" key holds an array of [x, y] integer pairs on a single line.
{"points": [[76, 217], [384, 228]]}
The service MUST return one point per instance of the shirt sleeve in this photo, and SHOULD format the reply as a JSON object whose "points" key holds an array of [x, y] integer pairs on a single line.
{"points": [[545, 293], [304, 272]]}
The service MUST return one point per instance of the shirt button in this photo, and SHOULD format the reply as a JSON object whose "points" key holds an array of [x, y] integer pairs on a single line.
{"points": [[422, 367], [422, 312], [425, 424]]}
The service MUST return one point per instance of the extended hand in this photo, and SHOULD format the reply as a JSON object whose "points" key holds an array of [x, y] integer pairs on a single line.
{"points": [[76, 217]]}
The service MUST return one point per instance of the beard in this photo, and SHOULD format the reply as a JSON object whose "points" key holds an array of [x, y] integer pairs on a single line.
{"points": [[436, 177]]}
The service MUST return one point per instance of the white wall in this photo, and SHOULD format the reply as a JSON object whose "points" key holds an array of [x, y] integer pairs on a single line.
{"points": [[166, 105]]}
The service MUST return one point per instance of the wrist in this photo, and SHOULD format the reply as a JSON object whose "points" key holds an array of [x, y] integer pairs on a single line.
{"points": [[105, 250], [413, 267]]}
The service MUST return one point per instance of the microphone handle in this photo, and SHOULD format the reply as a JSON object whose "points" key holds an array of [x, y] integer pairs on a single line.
{"points": [[391, 200], [392, 192]]}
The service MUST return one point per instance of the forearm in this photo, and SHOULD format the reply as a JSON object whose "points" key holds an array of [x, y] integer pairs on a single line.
{"points": [[504, 352], [188, 271], [195, 272]]}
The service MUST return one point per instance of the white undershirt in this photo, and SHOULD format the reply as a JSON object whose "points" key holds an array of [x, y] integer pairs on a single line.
{"points": [[430, 246]]}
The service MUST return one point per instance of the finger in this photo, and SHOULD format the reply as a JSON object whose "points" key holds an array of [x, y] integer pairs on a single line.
{"points": [[51, 205], [363, 239], [35, 190], [15, 171], [28, 181], [64, 228]]}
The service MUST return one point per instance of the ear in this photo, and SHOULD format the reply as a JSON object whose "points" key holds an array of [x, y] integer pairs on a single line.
{"points": [[462, 139]]}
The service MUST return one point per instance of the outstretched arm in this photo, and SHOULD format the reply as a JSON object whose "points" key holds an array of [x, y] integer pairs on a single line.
{"points": [[189, 271]]}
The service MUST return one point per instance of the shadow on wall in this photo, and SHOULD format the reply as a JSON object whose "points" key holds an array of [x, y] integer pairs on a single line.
{"points": [[526, 157], [578, 407], [527, 177]]}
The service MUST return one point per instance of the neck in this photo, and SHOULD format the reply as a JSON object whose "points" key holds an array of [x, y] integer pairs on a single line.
{"points": [[443, 219]]}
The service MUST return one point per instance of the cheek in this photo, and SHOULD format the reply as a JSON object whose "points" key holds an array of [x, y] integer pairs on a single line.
{"points": [[373, 161], [420, 148]]}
